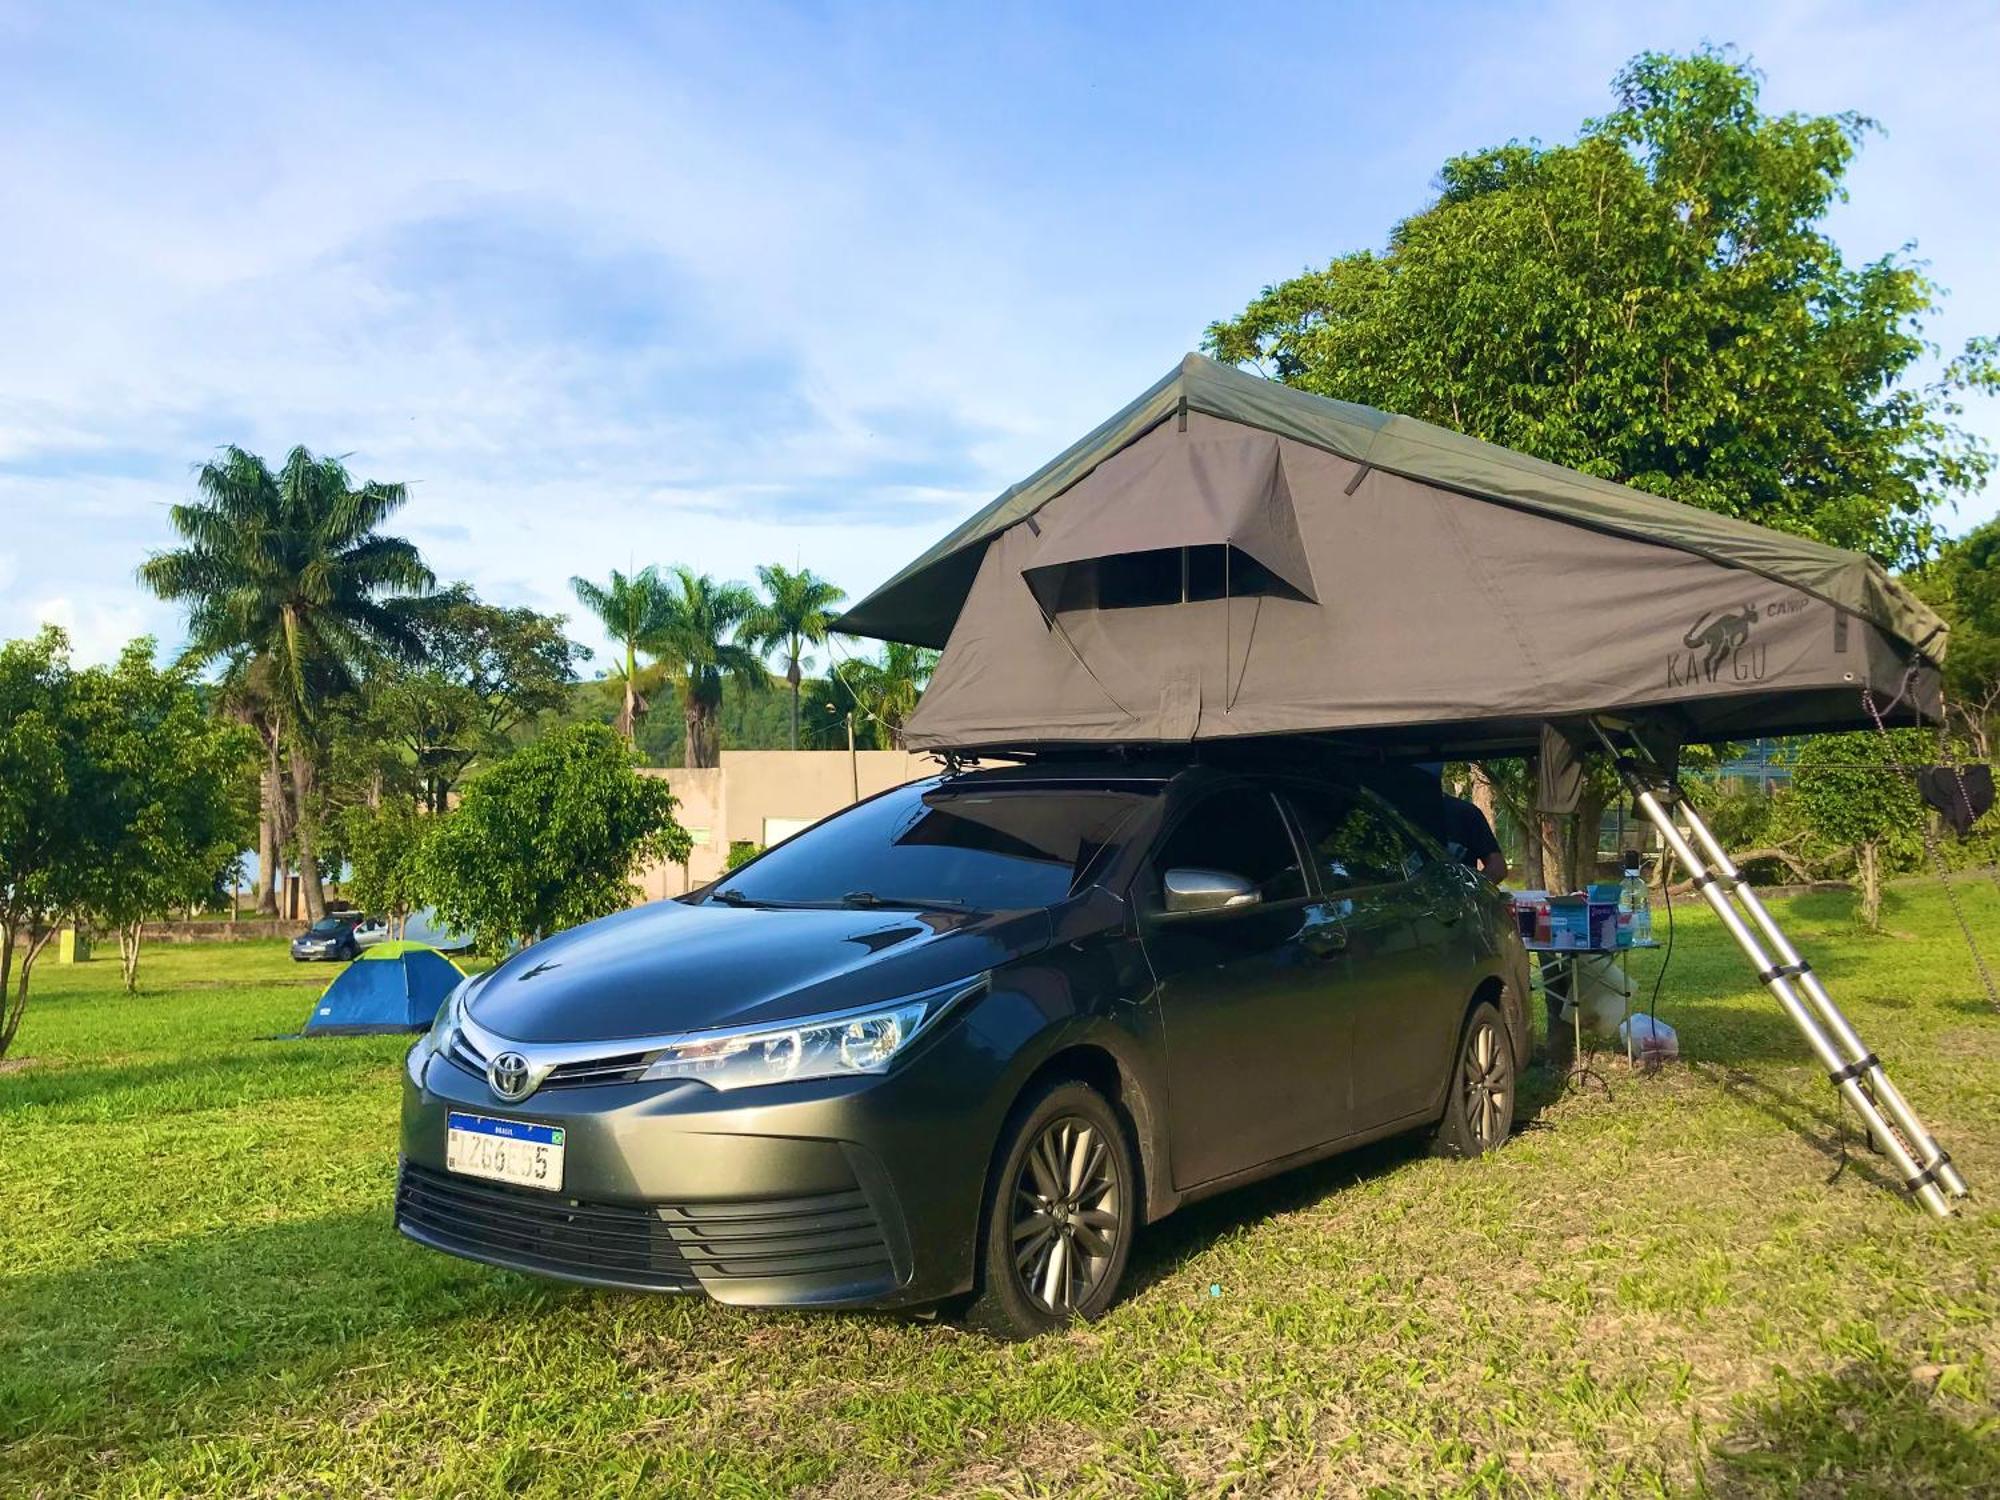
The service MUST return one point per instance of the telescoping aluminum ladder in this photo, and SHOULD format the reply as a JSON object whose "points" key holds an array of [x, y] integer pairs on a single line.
{"points": [[1926, 1170]]}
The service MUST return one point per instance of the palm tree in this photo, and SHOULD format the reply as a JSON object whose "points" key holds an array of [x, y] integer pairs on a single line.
{"points": [[888, 690], [633, 612], [243, 692], [797, 613], [287, 572], [700, 644]]}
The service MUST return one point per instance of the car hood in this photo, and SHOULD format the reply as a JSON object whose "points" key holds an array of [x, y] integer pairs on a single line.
{"points": [[668, 967]]}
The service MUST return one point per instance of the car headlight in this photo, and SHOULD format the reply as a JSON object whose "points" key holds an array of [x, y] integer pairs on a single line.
{"points": [[445, 1025], [849, 1044]]}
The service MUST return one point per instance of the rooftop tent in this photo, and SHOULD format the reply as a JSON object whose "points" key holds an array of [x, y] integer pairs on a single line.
{"points": [[391, 987], [1228, 557]]}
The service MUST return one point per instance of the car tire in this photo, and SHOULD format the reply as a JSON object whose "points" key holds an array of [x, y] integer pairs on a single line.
{"points": [[1060, 1213], [1479, 1102]]}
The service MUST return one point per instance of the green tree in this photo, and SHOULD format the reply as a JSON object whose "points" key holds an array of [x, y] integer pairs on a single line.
{"points": [[700, 645], [384, 848], [114, 787], [886, 692], [486, 673], [549, 838], [288, 575], [633, 612], [1963, 585], [47, 818], [177, 786], [1658, 303], [797, 611], [1848, 793]]}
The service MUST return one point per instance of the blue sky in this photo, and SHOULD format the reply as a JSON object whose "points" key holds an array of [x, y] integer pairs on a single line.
{"points": [[616, 285]]}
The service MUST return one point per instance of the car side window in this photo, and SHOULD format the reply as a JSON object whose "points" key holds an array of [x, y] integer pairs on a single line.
{"points": [[1355, 841], [1238, 831]]}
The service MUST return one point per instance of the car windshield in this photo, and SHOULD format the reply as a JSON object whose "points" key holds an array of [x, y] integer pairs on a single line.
{"points": [[326, 926], [981, 848]]}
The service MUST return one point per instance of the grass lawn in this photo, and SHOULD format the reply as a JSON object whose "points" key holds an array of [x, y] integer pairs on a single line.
{"points": [[1658, 1291]]}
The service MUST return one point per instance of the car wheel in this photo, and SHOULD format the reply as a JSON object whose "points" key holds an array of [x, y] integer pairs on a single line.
{"points": [[1060, 1214], [1479, 1106]]}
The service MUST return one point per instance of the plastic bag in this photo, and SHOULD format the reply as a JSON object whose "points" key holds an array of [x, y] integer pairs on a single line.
{"points": [[1651, 1040], [1604, 991]]}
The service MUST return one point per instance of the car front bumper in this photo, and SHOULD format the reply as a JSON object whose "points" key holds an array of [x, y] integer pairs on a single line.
{"points": [[835, 1193]]}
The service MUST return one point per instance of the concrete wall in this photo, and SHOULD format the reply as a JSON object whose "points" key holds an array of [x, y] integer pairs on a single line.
{"points": [[760, 796]]}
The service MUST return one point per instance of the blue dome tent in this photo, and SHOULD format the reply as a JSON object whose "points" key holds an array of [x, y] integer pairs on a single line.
{"points": [[391, 987]]}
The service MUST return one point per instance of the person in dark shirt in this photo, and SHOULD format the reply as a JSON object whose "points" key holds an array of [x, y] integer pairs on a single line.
{"points": [[1470, 839]]}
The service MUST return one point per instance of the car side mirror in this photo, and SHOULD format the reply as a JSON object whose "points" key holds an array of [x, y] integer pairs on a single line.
{"points": [[1191, 892]]}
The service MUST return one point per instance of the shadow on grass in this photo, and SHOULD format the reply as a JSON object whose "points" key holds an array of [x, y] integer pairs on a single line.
{"points": [[1164, 1248], [1817, 1122], [1866, 1430]]}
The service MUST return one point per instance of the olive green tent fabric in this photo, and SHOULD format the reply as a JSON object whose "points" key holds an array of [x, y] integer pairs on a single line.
{"points": [[921, 603], [1231, 493], [1387, 610]]}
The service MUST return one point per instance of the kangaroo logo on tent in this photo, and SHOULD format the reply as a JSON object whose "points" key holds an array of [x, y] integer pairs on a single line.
{"points": [[1725, 637]]}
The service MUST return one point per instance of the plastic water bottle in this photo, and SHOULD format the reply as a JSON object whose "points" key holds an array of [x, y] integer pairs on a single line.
{"points": [[1635, 901]]}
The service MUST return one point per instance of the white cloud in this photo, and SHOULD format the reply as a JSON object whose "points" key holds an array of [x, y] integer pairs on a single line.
{"points": [[98, 628]]}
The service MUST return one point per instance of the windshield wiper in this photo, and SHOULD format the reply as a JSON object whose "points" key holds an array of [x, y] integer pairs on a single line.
{"points": [[733, 897], [869, 900]]}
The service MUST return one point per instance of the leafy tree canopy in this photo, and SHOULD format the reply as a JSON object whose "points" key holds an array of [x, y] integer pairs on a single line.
{"points": [[383, 846], [797, 611], [291, 568], [1963, 585], [1848, 792], [486, 672], [46, 817], [287, 576], [702, 644], [884, 693], [633, 612], [1659, 303], [177, 790], [118, 794], [549, 838]]}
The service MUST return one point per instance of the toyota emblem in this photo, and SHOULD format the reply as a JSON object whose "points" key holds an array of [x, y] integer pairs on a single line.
{"points": [[507, 1074]]}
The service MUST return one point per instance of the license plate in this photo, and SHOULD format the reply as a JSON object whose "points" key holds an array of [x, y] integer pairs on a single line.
{"points": [[505, 1150]]}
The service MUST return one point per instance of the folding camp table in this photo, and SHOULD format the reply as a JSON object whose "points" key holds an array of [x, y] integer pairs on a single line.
{"points": [[1544, 953]]}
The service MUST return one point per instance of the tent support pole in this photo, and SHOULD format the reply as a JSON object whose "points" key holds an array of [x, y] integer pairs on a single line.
{"points": [[1927, 1172]]}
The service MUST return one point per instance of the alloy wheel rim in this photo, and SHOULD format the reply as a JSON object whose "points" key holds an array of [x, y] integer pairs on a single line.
{"points": [[1066, 1221], [1486, 1081]]}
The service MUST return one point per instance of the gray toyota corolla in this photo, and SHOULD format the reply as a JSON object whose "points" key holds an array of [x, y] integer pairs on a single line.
{"points": [[963, 1040]]}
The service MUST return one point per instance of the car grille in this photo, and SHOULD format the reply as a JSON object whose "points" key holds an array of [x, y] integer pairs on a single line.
{"points": [[623, 1067], [833, 1234], [832, 1238], [622, 1243]]}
